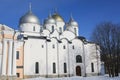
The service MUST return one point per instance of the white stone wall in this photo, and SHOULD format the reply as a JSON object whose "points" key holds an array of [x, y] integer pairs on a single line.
{"points": [[48, 55], [28, 27], [79, 50], [52, 54], [49, 50], [33, 52], [0, 64], [68, 35], [92, 56], [72, 60], [63, 56]]}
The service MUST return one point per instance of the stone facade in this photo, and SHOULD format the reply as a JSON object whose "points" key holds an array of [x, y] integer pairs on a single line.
{"points": [[53, 49]]}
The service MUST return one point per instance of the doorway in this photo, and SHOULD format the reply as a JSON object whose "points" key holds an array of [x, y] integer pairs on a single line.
{"points": [[78, 71]]}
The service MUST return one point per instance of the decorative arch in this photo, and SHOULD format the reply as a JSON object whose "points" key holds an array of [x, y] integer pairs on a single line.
{"points": [[68, 34]]}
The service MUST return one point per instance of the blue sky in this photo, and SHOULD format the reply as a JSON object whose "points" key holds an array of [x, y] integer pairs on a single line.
{"points": [[87, 13]]}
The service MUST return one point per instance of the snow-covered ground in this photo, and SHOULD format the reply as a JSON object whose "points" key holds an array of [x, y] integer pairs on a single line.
{"points": [[78, 78]]}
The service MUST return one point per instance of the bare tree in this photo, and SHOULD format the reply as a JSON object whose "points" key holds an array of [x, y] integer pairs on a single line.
{"points": [[107, 35]]}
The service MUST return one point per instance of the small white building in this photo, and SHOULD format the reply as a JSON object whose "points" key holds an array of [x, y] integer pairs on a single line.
{"points": [[53, 49]]}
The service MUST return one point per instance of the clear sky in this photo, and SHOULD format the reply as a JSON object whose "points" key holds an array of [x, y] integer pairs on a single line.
{"points": [[87, 13]]}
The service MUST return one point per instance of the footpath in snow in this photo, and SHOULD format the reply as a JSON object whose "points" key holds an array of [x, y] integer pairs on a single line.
{"points": [[78, 78]]}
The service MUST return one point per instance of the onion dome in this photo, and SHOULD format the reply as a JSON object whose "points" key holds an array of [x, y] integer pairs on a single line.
{"points": [[57, 17], [72, 22], [29, 17], [50, 20]]}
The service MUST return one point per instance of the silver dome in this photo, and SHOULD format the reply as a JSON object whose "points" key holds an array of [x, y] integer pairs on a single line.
{"points": [[29, 18], [72, 22], [50, 20]]}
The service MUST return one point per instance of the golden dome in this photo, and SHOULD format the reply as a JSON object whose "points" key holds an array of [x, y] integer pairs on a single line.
{"points": [[57, 17]]}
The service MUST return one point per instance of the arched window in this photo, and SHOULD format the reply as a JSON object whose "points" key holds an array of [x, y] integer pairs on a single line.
{"points": [[52, 28], [60, 29], [78, 59], [75, 30], [64, 47], [54, 68], [42, 46], [73, 47], [41, 29], [53, 46], [92, 67], [44, 27], [65, 68], [17, 55], [36, 67], [34, 28]]}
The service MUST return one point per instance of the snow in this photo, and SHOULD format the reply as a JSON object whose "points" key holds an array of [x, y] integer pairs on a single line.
{"points": [[78, 78]]}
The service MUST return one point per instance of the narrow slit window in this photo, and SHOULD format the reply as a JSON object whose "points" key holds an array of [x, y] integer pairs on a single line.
{"points": [[52, 28], [54, 68], [42, 46], [73, 47], [64, 47], [92, 67], [75, 30], [36, 67], [17, 54], [53, 46], [34, 28], [65, 68], [60, 29]]}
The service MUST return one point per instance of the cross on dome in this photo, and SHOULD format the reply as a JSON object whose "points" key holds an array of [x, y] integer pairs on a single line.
{"points": [[30, 7], [56, 10], [71, 17], [49, 16]]}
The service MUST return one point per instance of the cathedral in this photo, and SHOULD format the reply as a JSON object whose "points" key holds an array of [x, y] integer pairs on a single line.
{"points": [[53, 49]]}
